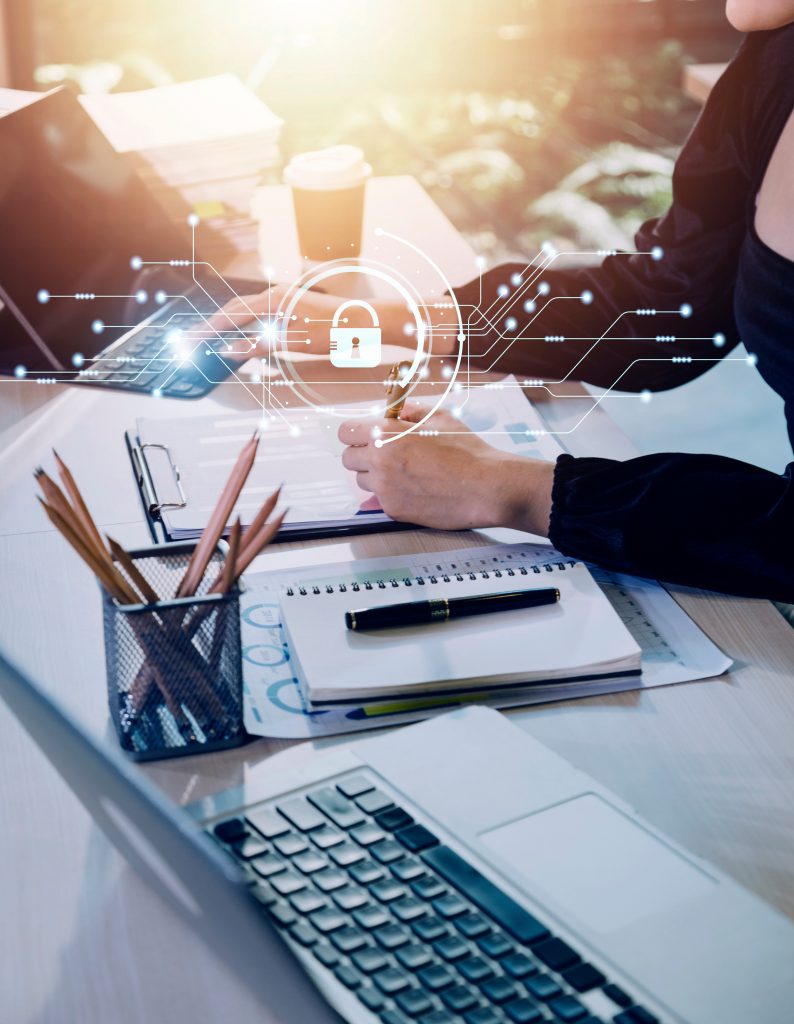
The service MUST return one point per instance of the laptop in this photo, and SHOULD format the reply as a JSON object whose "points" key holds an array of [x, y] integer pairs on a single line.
{"points": [[451, 872], [98, 285]]}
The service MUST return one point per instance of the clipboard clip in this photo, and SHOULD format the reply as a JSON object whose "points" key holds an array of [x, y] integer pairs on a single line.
{"points": [[153, 504]]}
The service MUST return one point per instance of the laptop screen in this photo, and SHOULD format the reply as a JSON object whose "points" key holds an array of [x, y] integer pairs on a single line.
{"points": [[73, 214]]}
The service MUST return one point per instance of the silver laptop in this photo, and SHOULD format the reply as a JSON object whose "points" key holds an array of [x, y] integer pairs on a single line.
{"points": [[449, 872]]}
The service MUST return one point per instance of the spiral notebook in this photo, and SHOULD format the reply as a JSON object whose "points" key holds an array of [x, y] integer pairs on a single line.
{"points": [[581, 637]]}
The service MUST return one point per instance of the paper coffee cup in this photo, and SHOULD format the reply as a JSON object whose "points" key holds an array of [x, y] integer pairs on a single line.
{"points": [[328, 194]]}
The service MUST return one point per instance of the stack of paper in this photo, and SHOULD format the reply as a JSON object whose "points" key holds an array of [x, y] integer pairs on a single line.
{"points": [[199, 146]]}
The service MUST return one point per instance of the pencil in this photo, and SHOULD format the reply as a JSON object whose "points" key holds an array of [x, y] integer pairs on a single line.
{"points": [[397, 392], [147, 592]]}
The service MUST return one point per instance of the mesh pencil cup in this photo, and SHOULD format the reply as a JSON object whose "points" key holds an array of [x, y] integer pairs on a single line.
{"points": [[174, 668]]}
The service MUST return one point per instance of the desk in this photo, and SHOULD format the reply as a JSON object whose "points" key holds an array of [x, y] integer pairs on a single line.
{"points": [[83, 940]]}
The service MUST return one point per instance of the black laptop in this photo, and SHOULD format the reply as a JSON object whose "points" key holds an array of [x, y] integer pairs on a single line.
{"points": [[97, 285]]}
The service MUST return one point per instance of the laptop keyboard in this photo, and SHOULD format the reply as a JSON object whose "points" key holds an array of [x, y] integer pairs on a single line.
{"points": [[145, 362], [405, 922]]}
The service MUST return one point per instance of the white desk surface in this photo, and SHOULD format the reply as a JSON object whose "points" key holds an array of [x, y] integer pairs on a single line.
{"points": [[84, 940]]}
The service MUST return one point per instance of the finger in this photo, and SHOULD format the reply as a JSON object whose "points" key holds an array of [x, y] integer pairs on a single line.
{"points": [[413, 411], [363, 481], [356, 459], [355, 432]]}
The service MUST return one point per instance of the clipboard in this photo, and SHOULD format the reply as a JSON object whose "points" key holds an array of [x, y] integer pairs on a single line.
{"points": [[161, 488]]}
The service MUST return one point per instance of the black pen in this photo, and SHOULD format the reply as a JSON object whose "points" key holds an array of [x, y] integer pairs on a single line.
{"points": [[418, 613]]}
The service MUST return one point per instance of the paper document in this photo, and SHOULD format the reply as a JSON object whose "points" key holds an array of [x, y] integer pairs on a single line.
{"points": [[674, 649]]}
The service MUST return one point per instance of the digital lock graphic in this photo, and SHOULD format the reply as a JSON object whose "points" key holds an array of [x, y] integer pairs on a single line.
{"points": [[355, 346]]}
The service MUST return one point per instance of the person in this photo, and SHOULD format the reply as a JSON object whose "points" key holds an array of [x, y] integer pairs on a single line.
{"points": [[723, 256]]}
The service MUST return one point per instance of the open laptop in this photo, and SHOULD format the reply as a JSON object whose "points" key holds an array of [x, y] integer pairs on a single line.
{"points": [[452, 872], [88, 292]]}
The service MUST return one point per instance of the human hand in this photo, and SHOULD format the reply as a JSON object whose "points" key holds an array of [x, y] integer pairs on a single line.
{"points": [[452, 480]]}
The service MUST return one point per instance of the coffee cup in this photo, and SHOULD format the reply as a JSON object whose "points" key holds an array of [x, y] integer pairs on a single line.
{"points": [[328, 195]]}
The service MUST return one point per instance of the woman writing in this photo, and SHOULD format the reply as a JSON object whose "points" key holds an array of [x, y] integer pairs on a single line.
{"points": [[725, 249]]}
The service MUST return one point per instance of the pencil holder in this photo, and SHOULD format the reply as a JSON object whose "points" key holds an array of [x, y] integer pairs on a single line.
{"points": [[174, 668]]}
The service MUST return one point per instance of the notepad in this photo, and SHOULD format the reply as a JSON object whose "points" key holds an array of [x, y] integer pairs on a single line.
{"points": [[581, 637]]}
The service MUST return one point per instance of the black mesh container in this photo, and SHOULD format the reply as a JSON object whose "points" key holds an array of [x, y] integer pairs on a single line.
{"points": [[174, 669]]}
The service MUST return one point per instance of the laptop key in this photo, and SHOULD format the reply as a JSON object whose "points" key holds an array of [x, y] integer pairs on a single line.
{"points": [[472, 925], [617, 995], [287, 883], [524, 1011], [495, 945], [408, 909], [283, 914], [391, 980], [392, 936], [387, 851], [370, 960], [451, 948], [354, 786], [346, 854], [329, 880], [542, 986], [267, 822], [394, 818], [567, 1009], [307, 901], [267, 865], [408, 869], [290, 844], [350, 898], [459, 998], [370, 997], [367, 872], [438, 1017], [428, 929], [475, 969], [414, 956], [326, 837], [500, 990], [373, 800], [303, 934], [301, 814], [583, 977], [387, 890], [437, 977], [483, 1015], [518, 965], [310, 862], [393, 1017], [231, 831], [414, 1002], [428, 888], [415, 838], [556, 954], [636, 1015], [327, 920], [326, 954], [366, 834], [449, 906], [371, 917], [337, 807], [250, 846], [488, 897], [347, 976], [348, 939]]}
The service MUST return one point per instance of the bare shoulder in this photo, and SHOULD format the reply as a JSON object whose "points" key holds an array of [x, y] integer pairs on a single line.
{"points": [[774, 215]]}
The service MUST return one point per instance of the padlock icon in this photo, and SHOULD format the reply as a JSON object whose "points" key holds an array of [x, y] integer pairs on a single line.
{"points": [[355, 346]]}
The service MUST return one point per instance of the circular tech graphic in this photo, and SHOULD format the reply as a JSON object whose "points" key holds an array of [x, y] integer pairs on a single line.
{"points": [[352, 350]]}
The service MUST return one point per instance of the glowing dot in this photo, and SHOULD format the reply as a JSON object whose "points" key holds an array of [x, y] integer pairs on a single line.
{"points": [[78, 359], [141, 296], [136, 263], [511, 323], [461, 337], [193, 220], [543, 288], [502, 291], [294, 430], [548, 248], [645, 396], [20, 372], [685, 310], [586, 297], [446, 372], [378, 443], [530, 306], [457, 412], [515, 280], [160, 297], [157, 393], [480, 262], [98, 326], [43, 296], [174, 336], [719, 340], [409, 329], [376, 431], [752, 359], [657, 253]]}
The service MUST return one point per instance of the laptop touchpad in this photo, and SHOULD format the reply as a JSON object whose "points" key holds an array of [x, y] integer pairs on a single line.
{"points": [[595, 864]]}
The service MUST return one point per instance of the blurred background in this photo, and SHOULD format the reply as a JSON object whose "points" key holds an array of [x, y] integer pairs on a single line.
{"points": [[524, 119]]}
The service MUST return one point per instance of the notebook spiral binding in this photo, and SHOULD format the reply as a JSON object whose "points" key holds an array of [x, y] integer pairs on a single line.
{"points": [[422, 581]]}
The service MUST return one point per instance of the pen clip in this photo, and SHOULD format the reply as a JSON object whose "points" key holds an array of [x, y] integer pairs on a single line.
{"points": [[146, 482]]}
